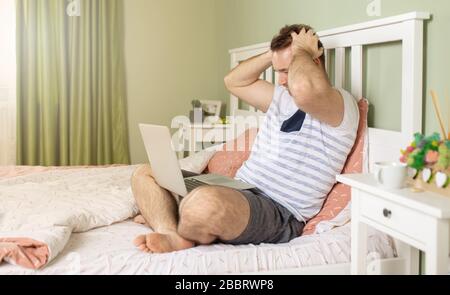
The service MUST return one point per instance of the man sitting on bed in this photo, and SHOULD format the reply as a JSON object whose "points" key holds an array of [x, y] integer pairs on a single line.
{"points": [[303, 144]]}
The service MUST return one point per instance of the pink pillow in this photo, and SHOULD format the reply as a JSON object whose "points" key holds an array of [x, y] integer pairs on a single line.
{"points": [[228, 161], [340, 195]]}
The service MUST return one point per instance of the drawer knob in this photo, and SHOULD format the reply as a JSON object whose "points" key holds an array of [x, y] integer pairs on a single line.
{"points": [[387, 213]]}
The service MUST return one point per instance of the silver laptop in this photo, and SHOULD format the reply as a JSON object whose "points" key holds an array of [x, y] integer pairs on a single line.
{"points": [[166, 168]]}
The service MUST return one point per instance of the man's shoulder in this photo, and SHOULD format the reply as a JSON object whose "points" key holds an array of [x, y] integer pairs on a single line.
{"points": [[350, 102], [345, 94], [350, 120]]}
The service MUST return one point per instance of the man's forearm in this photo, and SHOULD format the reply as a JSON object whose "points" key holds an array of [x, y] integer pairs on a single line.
{"points": [[305, 76], [249, 71], [309, 84]]}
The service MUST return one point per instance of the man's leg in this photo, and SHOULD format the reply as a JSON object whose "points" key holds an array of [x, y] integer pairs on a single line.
{"points": [[213, 213], [159, 209], [221, 214]]}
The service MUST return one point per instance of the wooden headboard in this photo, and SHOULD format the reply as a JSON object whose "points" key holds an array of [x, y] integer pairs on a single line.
{"points": [[408, 28]]}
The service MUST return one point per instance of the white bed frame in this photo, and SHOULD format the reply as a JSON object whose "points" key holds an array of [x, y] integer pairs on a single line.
{"points": [[383, 145]]}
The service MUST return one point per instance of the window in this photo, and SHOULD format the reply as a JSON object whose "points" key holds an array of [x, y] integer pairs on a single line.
{"points": [[7, 83]]}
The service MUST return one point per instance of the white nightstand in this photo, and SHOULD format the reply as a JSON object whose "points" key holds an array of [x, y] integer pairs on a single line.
{"points": [[419, 220], [197, 135]]}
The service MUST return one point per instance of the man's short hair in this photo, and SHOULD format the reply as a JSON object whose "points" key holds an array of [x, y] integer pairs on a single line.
{"points": [[284, 39]]}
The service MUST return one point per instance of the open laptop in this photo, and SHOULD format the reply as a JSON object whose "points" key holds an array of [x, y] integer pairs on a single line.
{"points": [[166, 168]]}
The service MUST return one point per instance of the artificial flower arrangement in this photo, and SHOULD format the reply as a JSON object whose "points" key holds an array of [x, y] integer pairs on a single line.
{"points": [[429, 161]]}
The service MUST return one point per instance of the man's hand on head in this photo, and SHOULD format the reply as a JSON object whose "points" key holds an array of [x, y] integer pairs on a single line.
{"points": [[306, 42]]}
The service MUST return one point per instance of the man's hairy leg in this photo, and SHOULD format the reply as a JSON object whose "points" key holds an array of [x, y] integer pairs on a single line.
{"points": [[159, 209], [212, 213]]}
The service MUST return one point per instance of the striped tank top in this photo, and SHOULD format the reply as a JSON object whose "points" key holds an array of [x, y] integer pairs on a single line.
{"points": [[295, 158]]}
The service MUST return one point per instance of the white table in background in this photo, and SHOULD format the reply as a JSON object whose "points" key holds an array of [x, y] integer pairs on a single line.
{"points": [[199, 135], [419, 220]]}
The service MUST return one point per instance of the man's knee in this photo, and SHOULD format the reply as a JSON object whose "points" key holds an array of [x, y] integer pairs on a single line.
{"points": [[142, 175], [204, 197], [143, 170], [201, 212], [201, 204]]}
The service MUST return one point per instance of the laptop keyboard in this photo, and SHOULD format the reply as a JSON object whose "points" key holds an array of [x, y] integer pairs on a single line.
{"points": [[192, 184]]}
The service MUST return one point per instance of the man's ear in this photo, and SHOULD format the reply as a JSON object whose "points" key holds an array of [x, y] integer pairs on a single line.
{"points": [[318, 61]]}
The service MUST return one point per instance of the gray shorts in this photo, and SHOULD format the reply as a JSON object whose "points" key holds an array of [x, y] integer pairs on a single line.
{"points": [[269, 222]]}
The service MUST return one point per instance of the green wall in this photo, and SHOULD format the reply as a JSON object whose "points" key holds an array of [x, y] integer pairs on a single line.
{"points": [[171, 59], [245, 22]]}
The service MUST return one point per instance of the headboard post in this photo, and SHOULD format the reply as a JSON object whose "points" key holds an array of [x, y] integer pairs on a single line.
{"points": [[357, 71], [234, 101], [412, 77], [339, 80]]}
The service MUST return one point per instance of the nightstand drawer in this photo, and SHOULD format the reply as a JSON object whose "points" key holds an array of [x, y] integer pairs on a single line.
{"points": [[401, 219]]}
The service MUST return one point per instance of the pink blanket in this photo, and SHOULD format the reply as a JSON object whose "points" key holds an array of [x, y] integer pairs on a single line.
{"points": [[23, 251]]}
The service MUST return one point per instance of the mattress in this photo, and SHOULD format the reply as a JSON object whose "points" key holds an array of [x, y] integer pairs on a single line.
{"points": [[110, 251]]}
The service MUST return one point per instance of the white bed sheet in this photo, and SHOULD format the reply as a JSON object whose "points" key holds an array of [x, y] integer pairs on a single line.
{"points": [[109, 250]]}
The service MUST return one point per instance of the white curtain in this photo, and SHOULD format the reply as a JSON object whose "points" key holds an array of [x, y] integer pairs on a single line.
{"points": [[7, 82]]}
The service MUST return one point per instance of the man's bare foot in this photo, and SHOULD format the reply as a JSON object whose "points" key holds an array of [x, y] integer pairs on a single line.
{"points": [[162, 243], [140, 219]]}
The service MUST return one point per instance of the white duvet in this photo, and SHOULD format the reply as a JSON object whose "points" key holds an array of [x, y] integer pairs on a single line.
{"points": [[109, 251], [50, 206]]}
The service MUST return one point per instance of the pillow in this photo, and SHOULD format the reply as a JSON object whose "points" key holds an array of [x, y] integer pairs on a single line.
{"points": [[233, 155], [340, 195], [198, 162]]}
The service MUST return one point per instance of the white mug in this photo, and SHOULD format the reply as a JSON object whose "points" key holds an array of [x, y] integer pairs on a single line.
{"points": [[391, 175]]}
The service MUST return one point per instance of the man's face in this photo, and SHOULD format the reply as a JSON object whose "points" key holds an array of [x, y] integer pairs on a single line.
{"points": [[281, 61]]}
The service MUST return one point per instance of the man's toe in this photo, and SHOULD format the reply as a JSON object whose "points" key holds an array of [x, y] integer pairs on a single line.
{"points": [[140, 240]]}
